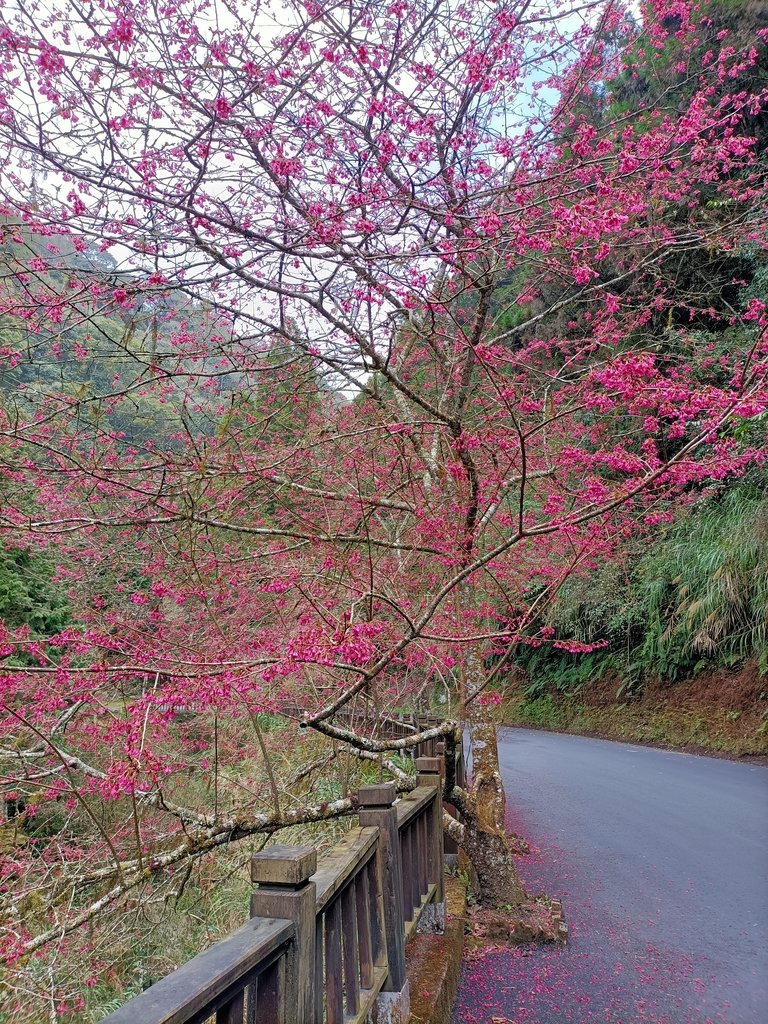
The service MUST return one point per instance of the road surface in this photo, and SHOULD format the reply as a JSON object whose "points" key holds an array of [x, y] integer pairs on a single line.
{"points": [[661, 859]]}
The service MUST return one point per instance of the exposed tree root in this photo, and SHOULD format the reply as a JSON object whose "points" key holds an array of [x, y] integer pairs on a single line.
{"points": [[537, 920]]}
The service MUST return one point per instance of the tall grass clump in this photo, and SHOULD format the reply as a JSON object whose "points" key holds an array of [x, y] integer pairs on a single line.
{"points": [[704, 590], [696, 597]]}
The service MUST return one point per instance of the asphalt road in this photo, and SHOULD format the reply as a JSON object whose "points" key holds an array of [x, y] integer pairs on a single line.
{"points": [[661, 860]]}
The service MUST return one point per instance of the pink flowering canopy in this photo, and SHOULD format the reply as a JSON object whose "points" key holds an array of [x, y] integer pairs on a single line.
{"points": [[334, 338]]}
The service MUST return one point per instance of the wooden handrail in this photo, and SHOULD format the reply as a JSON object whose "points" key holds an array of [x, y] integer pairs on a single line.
{"points": [[207, 983], [344, 861], [413, 803]]}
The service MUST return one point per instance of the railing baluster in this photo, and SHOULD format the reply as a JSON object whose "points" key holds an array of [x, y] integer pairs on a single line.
{"points": [[378, 939], [232, 1011], [270, 1008], [419, 843], [319, 995], [250, 1015], [334, 994], [415, 894], [408, 875], [362, 903], [423, 854], [351, 960]]}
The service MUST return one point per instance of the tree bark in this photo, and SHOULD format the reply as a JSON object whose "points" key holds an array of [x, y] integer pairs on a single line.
{"points": [[483, 807]]}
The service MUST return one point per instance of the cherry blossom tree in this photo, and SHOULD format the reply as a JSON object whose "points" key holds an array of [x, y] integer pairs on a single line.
{"points": [[404, 323]]}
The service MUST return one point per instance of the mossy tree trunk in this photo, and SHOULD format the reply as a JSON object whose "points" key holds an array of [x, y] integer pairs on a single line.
{"points": [[483, 835]]}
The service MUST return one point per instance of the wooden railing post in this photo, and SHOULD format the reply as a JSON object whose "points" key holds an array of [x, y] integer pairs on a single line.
{"points": [[285, 891], [375, 809], [429, 774]]}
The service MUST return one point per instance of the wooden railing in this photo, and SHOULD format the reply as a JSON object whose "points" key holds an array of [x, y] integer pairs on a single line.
{"points": [[325, 942]]}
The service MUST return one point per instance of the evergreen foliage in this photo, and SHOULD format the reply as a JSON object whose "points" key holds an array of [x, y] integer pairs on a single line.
{"points": [[28, 595]]}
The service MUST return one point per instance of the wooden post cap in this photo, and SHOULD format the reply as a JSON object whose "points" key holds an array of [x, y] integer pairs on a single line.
{"points": [[284, 865], [381, 795], [427, 765]]}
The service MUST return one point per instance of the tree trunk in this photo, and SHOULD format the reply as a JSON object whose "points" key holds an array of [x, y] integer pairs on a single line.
{"points": [[498, 884], [485, 839]]}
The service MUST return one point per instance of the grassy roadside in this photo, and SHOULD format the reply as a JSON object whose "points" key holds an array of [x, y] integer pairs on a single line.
{"points": [[723, 712]]}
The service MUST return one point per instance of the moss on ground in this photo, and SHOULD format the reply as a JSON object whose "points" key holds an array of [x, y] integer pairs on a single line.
{"points": [[434, 961]]}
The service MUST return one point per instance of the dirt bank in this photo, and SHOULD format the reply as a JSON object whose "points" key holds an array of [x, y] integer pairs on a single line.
{"points": [[722, 712]]}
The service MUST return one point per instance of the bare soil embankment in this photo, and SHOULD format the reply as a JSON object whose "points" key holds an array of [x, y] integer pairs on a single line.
{"points": [[721, 712]]}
